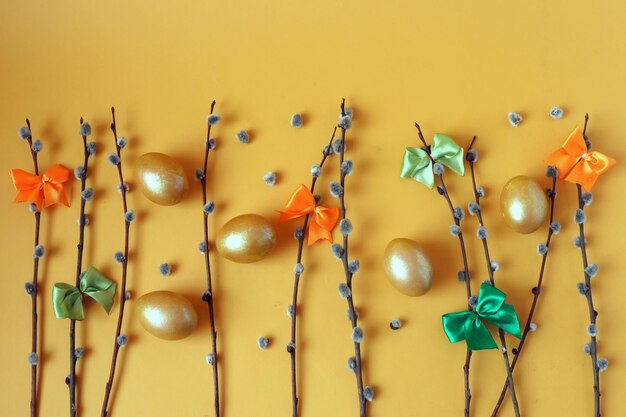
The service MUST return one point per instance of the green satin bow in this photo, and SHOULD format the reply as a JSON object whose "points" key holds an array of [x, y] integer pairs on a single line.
{"points": [[469, 326], [419, 166], [68, 300]]}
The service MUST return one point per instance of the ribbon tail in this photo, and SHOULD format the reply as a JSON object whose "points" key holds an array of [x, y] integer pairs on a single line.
{"points": [[581, 174], [52, 194], [477, 336], [317, 232], [506, 319]]}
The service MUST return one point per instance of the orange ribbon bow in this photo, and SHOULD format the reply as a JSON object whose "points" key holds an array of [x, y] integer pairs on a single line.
{"points": [[576, 164], [38, 189], [324, 220]]}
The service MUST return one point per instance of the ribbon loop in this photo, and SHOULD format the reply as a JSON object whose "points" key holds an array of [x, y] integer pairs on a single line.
{"points": [[67, 300], [324, 219]]}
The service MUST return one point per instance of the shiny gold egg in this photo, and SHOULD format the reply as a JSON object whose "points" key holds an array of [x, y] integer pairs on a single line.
{"points": [[246, 238], [408, 267], [523, 204], [161, 178], [166, 315]]}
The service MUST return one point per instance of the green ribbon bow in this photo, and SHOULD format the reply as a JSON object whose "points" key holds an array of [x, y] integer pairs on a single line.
{"points": [[68, 300], [469, 326], [419, 166]]}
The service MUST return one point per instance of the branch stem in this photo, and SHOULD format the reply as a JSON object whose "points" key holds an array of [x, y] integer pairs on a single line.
{"points": [[593, 314], [358, 370], [443, 190], [207, 264], [501, 334], [120, 317], [536, 294], [294, 302], [79, 270], [33, 295]]}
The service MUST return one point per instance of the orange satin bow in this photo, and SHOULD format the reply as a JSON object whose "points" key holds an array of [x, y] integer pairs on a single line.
{"points": [[38, 189], [575, 164], [324, 220]]}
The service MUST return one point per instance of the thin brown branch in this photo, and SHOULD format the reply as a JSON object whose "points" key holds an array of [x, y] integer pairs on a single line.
{"points": [[291, 348], [358, 370], [593, 314], [503, 349], [443, 191], [33, 294], [120, 318], [79, 269], [536, 294], [210, 296]]}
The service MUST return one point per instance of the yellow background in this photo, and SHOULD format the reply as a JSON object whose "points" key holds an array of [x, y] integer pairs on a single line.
{"points": [[456, 67]]}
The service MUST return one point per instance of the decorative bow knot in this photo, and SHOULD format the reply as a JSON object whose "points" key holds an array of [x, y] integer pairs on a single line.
{"points": [[324, 219], [417, 164], [576, 164], [469, 325], [68, 300], [38, 189]]}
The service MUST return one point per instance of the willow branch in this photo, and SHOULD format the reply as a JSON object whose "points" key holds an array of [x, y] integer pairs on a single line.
{"points": [[33, 292], [79, 269], [505, 355], [123, 297], [291, 348], [207, 263], [443, 191], [358, 370], [536, 294], [593, 314]]}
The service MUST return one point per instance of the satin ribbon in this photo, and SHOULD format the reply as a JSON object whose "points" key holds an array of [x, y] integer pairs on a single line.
{"points": [[419, 166], [575, 164], [46, 189], [470, 326], [321, 224], [68, 300]]}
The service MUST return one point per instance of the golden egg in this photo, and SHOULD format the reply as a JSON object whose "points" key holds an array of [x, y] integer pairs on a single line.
{"points": [[166, 315], [408, 267], [246, 238], [523, 204], [161, 178]]}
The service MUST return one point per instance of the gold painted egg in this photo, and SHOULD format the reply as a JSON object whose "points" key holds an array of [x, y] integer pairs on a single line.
{"points": [[523, 204], [408, 267], [166, 315], [246, 238], [161, 178]]}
